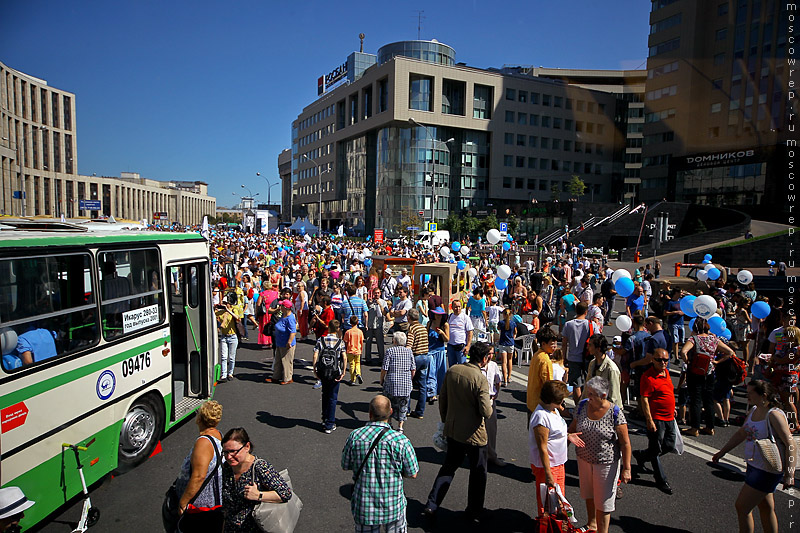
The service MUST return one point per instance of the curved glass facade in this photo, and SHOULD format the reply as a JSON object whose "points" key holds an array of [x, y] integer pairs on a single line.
{"points": [[429, 51]]}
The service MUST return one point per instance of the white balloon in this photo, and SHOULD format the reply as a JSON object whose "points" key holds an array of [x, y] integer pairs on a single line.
{"points": [[368, 252], [623, 322], [493, 236], [744, 277], [444, 251], [620, 273], [549, 259], [504, 272], [578, 274], [360, 257], [709, 266], [465, 251], [472, 272], [705, 306], [702, 275]]}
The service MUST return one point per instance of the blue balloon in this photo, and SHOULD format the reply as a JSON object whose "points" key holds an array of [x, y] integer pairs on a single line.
{"points": [[716, 324], [707, 257], [509, 238], [726, 334], [461, 265], [367, 262], [691, 324], [506, 246], [500, 283], [687, 306], [271, 262], [760, 310], [714, 273], [426, 278], [706, 261], [456, 246], [624, 287]]}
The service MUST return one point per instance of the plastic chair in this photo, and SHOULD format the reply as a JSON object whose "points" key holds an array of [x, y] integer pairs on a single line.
{"points": [[527, 349]]}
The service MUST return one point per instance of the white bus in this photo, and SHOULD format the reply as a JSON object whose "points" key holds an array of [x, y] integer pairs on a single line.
{"points": [[108, 340]]}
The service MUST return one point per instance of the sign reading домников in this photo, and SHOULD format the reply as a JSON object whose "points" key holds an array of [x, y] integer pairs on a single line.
{"points": [[139, 318]]}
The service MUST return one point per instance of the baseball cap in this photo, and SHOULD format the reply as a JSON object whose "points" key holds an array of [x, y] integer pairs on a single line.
{"points": [[438, 311], [387, 270], [285, 303], [494, 299], [617, 339]]}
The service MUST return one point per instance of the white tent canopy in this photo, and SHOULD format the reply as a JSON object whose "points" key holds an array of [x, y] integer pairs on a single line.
{"points": [[303, 225]]}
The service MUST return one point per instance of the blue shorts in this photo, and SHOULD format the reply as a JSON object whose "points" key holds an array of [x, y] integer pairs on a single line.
{"points": [[678, 333], [761, 480]]}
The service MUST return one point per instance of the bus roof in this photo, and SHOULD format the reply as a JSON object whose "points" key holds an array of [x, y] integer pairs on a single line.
{"points": [[24, 239]]}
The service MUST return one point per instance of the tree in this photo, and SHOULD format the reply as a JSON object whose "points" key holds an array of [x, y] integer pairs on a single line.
{"points": [[488, 223], [454, 224], [555, 192], [513, 224], [576, 187], [470, 225], [408, 218]]}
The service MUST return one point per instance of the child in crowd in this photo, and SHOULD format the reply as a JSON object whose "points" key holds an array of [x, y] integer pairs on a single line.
{"points": [[494, 318], [354, 343], [559, 371]]}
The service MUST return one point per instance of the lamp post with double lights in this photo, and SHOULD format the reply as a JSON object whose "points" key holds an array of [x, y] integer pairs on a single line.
{"points": [[413, 122], [319, 173], [269, 188]]}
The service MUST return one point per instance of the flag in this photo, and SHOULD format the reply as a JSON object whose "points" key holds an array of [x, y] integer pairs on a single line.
{"points": [[204, 228], [340, 231]]}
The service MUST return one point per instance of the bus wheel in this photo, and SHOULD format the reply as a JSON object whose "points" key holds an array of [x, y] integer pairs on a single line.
{"points": [[140, 432]]}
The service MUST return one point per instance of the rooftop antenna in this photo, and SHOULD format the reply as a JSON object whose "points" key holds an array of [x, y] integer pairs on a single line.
{"points": [[419, 23], [361, 38]]}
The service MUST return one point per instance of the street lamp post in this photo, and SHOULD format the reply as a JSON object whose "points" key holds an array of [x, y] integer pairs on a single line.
{"points": [[414, 122], [319, 173], [269, 188]]}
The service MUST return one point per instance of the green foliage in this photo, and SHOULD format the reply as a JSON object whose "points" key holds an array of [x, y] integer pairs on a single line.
{"points": [[470, 224], [576, 187], [513, 224], [555, 192], [454, 224], [488, 223]]}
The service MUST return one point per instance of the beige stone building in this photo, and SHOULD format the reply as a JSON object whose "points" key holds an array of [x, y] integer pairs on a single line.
{"points": [[39, 162]]}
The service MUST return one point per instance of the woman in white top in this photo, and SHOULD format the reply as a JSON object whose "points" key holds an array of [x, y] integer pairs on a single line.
{"points": [[765, 420], [547, 439]]}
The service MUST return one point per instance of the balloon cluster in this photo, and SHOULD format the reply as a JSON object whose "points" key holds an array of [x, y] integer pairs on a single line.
{"points": [[623, 283]]}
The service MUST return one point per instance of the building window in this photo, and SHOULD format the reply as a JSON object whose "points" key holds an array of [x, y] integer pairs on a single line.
{"points": [[590, 107], [666, 23], [544, 164], [522, 118], [722, 9], [353, 109], [367, 97], [510, 117], [545, 121], [531, 184], [482, 102], [716, 108], [511, 94], [600, 129], [506, 182], [453, 95], [56, 116], [534, 120], [567, 145], [532, 141], [383, 95], [520, 140], [713, 133], [420, 93], [67, 112], [558, 101], [542, 185], [508, 160], [532, 162], [520, 162], [522, 96], [509, 138], [580, 106], [546, 99], [535, 98], [568, 124], [672, 90], [589, 127], [556, 144], [556, 123], [569, 103], [719, 59], [663, 69], [545, 144], [666, 46], [721, 34]]}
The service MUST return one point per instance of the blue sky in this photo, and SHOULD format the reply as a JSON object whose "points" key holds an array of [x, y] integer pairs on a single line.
{"points": [[207, 90]]}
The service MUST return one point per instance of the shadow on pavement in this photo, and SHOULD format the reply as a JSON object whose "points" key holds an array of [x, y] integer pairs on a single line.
{"points": [[632, 524], [451, 520]]}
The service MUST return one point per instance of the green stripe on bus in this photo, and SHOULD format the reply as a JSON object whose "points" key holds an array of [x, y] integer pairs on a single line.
{"points": [[67, 377], [71, 239], [45, 484]]}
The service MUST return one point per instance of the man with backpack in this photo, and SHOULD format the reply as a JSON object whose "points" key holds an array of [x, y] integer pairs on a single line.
{"points": [[329, 367]]}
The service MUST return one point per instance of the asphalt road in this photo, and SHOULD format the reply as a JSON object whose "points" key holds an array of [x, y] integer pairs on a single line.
{"points": [[284, 424]]}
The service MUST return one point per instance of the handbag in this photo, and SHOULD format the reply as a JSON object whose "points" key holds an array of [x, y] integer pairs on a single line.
{"points": [[170, 509], [279, 517], [364, 462], [558, 516], [769, 451], [201, 519], [241, 331]]}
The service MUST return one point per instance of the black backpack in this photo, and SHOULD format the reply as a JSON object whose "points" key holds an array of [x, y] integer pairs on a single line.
{"points": [[328, 366], [546, 316]]}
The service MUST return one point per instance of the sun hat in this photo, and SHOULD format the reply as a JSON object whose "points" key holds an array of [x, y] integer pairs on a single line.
{"points": [[438, 311], [13, 501]]}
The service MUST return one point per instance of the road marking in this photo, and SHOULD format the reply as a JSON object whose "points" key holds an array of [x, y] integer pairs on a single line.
{"points": [[692, 446]]}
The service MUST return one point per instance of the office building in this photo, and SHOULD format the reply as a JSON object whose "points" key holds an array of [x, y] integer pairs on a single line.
{"points": [[285, 175], [38, 165], [409, 131], [716, 102]]}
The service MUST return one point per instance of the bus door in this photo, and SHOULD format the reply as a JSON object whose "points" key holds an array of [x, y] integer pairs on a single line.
{"points": [[191, 360]]}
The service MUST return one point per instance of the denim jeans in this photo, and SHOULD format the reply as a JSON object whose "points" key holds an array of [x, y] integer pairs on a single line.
{"points": [[227, 354], [330, 395], [437, 368], [454, 356], [422, 363]]}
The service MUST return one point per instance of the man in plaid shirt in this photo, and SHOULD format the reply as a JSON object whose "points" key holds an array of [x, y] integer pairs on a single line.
{"points": [[378, 498]]}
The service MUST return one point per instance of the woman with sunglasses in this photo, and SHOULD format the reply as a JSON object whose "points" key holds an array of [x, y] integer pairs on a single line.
{"points": [[246, 481]]}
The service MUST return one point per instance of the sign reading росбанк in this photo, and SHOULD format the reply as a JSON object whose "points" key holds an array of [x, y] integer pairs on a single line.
{"points": [[325, 82]]}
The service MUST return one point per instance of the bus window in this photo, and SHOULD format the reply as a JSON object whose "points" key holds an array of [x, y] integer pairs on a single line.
{"points": [[47, 308], [130, 289]]}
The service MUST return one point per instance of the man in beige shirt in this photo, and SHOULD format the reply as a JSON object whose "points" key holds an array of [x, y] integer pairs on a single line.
{"points": [[464, 403]]}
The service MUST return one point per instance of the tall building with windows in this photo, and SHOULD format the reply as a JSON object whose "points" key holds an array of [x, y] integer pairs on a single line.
{"points": [[285, 175], [410, 130], [39, 165], [716, 101]]}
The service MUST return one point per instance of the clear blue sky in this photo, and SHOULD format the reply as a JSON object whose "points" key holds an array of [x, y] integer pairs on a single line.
{"points": [[207, 90]]}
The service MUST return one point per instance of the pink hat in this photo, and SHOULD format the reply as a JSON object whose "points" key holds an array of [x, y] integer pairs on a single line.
{"points": [[285, 303]]}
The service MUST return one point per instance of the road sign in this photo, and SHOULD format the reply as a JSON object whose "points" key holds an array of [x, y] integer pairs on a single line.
{"points": [[412, 228], [91, 205], [18, 195], [420, 213], [503, 227], [432, 227], [378, 236], [160, 215]]}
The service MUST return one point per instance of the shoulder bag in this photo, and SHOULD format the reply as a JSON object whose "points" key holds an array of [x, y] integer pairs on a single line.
{"points": [[279, 517], [364, 462], [205, 519], [768, 449]]}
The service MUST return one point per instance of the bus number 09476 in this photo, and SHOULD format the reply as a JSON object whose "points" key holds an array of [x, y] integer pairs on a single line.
{"points": [[135, 364]]}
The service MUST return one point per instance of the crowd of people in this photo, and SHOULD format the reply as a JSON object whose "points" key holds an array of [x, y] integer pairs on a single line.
{"points": [[328, 292]]}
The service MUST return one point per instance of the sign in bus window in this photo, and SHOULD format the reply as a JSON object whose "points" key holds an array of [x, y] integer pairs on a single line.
{"points": [[130, 291], [47, 308]]}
